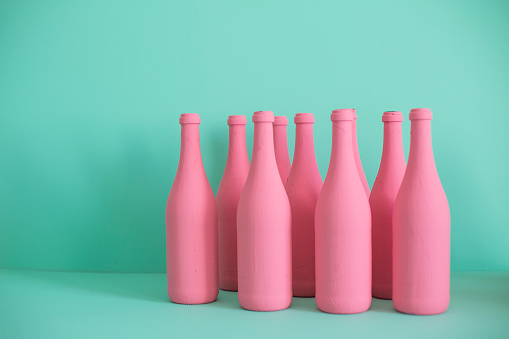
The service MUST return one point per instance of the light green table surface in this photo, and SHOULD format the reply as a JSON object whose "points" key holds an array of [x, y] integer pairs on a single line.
{"points": [[40, 304]]}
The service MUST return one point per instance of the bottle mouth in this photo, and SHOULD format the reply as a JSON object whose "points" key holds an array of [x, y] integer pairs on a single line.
{"points": [[420, 114], [237, 120], [354, 114], [189, 118], [392, 116], [280, 120], [344, 114], [263, 116], [304, 118]]}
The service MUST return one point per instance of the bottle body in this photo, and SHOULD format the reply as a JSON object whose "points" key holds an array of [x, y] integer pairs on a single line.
{"points": [[343, 229], [421, 229], [191, 225], [264, 228], [303, 187], [227, 199], [381, 201], [357, 156], [281, 148]]}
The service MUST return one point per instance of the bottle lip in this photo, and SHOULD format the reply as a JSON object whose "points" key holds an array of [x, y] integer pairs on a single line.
{"points": [[189, 118], [354, 114], [280, 120], [343, 114], [263, 116], [237, 120], [389, 116], [420, 114], [304, 118]]}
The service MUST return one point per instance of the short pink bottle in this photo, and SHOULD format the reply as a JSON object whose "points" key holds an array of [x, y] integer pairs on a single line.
{"points": [[358, 163], [303, 187], [421, 229], [343, 229], [191, 225], [264, 221], [227, 199], [281, 147], [381, 201]]}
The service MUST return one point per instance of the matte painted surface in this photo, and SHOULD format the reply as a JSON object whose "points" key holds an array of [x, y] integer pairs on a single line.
{"points": [[227, 199], [303, 187], [59, 305], [342, 228], [90, 92], [281, 147], [381, 202], [357, 156], [264, 228], [191, 225], [421, 227]]}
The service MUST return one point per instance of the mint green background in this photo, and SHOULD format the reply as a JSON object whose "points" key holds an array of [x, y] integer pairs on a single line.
{"points": [[91, 91]]}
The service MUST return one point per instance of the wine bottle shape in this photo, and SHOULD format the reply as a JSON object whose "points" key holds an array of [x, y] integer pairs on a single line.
{"points": [[264, 221], [421, 228], [381, 201], [227, 199], [191, 225], [342, 229], [358, 163], [281, 147], [303, 187]]}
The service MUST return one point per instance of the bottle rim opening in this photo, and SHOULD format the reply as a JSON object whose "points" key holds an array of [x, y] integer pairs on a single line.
{"points": [[189, 118], [343, 114]]}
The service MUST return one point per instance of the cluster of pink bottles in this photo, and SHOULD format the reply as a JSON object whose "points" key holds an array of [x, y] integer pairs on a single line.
{"points": [[276, 231]]}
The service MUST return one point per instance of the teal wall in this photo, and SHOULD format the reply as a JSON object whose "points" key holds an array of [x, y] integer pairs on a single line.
{"points": [[91, 91]]}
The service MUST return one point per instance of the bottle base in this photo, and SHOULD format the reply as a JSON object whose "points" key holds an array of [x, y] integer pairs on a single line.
{"points": [[264, 304], [425, 307], [192, 302], [334, 307], [228, 284], [421, 312], [193, 297], [303, 290], [342, 311], [383, 294]]}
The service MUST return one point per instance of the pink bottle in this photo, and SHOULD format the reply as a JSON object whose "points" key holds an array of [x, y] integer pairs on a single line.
{"points": [[191, 225], [303, 187], [264, 221], [357, 155], [421, 229], [281, 147], [381, 200], [227, 199], [343, 228]]}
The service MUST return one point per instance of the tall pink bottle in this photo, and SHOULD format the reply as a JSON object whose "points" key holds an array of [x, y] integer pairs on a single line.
{"points": [[264, 221], [342, 229], [421, 229], [227, 199], [381, 201], [191, 225], [358, 163], [281, 147], [303, 187]]}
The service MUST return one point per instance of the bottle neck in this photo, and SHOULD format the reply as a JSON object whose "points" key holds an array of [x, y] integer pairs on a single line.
{"points": [[354, 131], [421, 150], [190, 144], [393, 142], [263, 144], [280, 139], [237, 143], [342, 147], [304, 143]]}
